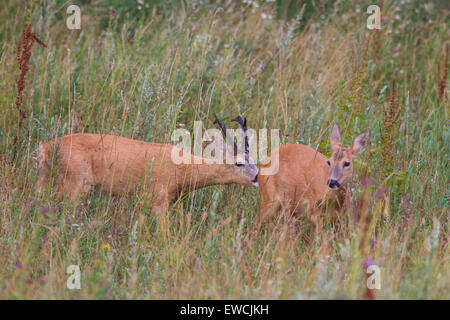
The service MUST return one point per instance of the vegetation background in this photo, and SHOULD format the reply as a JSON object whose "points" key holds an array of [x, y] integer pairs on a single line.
{"points": [[141, 68]]}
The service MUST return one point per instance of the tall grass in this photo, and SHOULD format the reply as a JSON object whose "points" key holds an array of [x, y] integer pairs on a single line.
{"points": [[140, 73]]}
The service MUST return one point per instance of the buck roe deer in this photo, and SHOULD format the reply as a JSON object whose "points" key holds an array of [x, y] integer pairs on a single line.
{"points": [[308, 182], [122, 166]]}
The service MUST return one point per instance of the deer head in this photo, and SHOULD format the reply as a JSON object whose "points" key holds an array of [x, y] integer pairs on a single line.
{"points": [[340, 163], [243, 169]]}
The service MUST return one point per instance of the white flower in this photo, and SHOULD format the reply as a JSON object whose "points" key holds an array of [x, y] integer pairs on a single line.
{"points": [[252, 3]]}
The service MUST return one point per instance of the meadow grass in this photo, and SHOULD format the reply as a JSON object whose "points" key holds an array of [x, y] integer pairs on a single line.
{"points": [[141, 73]]}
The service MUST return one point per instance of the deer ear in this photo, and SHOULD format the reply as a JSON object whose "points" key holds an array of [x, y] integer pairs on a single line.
{"points": [[361, 142], [335, 137]]}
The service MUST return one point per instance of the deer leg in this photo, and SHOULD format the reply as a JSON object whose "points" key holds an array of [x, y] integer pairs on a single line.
{"points": [[74, 188], [161, 200], [75, 183], [43, 181], [161, 204], [160, 208], [268, 209], [316, 217]]}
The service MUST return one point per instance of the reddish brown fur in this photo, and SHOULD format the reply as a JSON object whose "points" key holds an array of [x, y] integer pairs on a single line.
{"points": [[301, 183], [122, 166]]}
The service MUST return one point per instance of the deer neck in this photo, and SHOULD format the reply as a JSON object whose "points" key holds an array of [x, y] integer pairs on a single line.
{"points": [[202, 175]]}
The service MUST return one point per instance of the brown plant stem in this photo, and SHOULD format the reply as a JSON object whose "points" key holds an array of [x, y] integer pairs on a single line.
{"points": [[23, 56]]}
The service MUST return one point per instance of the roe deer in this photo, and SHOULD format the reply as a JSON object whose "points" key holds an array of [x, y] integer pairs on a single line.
{"points": [[121, 166], [307, 181]]}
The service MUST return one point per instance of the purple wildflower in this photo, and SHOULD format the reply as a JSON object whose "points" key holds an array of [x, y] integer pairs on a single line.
{"points": [[368, 263], [366, 181], [114, 12], [19, 266], [380, 192]]}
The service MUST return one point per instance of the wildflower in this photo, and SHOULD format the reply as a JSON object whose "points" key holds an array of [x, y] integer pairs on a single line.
{"points": [[45, 209], [19, 266], [50, 7], [266, 16], [380, 192], [366, 181], [106, 246], [368, 262], [114, 12]]}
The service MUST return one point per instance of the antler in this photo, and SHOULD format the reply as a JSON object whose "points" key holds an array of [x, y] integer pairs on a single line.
{"points": [[224, 130], [243, 123]]}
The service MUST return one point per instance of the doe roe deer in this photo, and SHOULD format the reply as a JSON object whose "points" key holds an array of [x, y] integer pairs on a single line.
{"points": [[309, 182], [119, 165]]}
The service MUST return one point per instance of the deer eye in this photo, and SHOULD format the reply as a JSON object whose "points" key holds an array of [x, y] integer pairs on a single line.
{"points": [[238, 164], [346, 164], [328, 162]]}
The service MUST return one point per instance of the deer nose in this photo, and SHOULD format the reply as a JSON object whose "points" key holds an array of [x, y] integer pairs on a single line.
{"points": [[333, 184], [256, 179]]}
